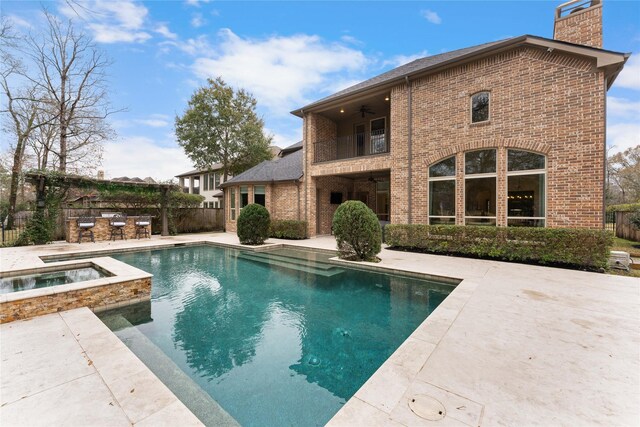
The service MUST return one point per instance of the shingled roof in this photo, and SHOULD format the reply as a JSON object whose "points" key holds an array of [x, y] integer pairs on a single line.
{"points": [[287, 168], [428, 63]]}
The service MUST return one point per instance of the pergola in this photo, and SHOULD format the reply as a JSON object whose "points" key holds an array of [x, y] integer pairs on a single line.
{"points": [[41, 180]]}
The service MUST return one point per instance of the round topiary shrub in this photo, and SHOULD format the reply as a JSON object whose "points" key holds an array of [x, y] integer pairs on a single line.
{"points": [[253, 224], [357, 231]]}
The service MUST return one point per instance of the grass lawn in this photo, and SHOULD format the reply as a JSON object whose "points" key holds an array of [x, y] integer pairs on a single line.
{"points": [[627, 246]]}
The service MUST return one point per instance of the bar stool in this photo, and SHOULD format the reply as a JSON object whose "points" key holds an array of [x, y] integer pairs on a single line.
{"points": [[142, 224], [118, 223], [85, 227]]}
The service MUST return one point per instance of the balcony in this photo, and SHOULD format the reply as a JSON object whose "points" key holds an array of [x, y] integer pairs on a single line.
{"points": [[352, 146]]}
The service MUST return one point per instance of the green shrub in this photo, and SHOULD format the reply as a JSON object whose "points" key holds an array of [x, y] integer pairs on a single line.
{"points": [[575, 248], [253, 224], [357, 231], [288, 229], [628, 207]]}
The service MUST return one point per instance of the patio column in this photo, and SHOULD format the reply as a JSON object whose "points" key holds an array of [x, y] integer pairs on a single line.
{"points": [[163, 209]]}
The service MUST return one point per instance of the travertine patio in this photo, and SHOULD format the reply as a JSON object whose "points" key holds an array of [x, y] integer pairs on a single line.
{"points": [[512, 345]]}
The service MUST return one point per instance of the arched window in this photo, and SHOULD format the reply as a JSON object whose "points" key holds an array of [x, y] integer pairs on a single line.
{"points": [[526, 189], [442, 192], [480, 107], [480, 187]]}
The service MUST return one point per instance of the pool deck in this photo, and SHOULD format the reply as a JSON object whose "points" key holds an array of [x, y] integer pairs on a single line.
{"points": [[512, 345]]}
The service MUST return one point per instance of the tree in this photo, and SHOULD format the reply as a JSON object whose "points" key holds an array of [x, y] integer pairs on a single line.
{"points": [[221, 125], [71, 78], [623, 176]]}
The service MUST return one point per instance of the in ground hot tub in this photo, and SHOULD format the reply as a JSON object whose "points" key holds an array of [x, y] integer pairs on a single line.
{"points": [[53, 278]]}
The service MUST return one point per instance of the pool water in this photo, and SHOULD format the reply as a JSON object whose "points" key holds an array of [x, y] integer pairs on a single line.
{"points": [[277, 339], [44, 280]]}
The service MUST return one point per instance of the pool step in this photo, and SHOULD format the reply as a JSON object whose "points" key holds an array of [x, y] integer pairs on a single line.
{"points": [[297, 264], [191, 394], [320, 264]]}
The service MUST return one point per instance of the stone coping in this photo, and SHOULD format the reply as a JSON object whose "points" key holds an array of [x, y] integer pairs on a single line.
{"points": [[68, 368], [117, 272]]}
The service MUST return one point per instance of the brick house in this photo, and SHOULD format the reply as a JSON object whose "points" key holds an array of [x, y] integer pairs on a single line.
{"points": [[205, 182], [507, 133]]}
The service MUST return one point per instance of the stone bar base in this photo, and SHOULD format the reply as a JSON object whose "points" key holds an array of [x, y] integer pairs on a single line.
{"points": [[102, 230]]}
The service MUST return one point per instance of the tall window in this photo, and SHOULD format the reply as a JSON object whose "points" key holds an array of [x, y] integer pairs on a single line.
{"points": [[244, 196], [480, 107], [258, 195], [442, 192], [526, 173], [232, 204], [216, 182], [480, 187], [205, 184], [212, 183]]}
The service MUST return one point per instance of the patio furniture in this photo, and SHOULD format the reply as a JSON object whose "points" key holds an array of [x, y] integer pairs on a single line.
{"points": [[117, 223], [142, 227], [85, 227]]}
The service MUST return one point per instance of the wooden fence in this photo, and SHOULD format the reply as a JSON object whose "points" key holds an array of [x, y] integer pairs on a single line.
{"points": [[624, 228]]}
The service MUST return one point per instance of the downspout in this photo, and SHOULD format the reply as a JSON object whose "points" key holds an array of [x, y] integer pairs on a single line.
{"points": [[409, 148], [604, 169]]}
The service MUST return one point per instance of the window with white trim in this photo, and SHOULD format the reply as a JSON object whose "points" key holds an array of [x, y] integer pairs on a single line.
{"points": [[526, 189], [244, 196], [232, 204], [480, 180], [259, 195], [442, 192]]}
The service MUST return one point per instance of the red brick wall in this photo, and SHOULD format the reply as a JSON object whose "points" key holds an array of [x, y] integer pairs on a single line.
{"points": [[549, 103], [583, 27]]}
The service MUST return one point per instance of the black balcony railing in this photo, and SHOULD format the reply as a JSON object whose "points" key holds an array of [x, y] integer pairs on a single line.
{"points": [[351, 146]]}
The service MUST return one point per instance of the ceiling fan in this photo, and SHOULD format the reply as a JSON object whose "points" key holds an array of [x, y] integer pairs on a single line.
{"points": [[365, 110]]}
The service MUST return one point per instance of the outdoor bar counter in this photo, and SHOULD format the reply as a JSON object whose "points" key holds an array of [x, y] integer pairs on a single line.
{"points": [[102, 229]]}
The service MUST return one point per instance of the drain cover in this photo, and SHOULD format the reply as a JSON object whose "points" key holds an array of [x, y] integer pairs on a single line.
{"points": [[427, 407]]}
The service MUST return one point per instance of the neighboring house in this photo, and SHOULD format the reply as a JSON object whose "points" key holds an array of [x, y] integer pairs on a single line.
{"points": [[275, 184], [205, 182], [507, 133]]}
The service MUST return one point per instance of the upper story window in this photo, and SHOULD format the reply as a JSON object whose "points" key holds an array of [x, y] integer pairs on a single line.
{"points": [[480, 107], [442, 192]]}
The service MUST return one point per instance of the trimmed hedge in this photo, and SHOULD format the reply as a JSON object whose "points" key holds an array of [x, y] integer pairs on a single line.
{"points": [[569, 247], [357, 231], [624, 208], [288, 229], [253, 224]]}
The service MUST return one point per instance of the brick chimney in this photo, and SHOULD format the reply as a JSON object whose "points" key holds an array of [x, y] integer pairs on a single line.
{"points": [[580, 22]]}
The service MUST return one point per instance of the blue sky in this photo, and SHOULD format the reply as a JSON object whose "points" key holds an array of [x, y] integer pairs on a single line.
{"points": [[291, 53]]}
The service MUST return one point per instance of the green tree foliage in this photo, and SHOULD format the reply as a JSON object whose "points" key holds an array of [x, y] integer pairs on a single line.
{"points": [[253, 224], [623, 176], [357, 231], [221, 125]]}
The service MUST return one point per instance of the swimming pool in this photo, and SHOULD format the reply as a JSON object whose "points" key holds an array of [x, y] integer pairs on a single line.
{"points": [[278, 338]]}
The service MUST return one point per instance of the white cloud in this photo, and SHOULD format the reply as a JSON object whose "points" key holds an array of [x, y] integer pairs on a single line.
{"points": [[196, 3], [141, 156], [280, 71], [630, 76], [622, 108], [164, 31], [622, 136], [193, 46], [351, 40], [197, 21], [19, 22], [111, 21], [399, 60], [154, 123], [105, 33], [431, 16]]}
